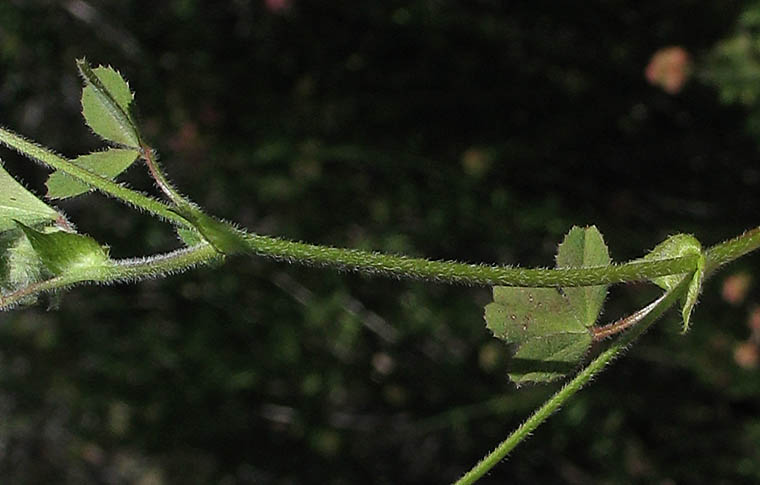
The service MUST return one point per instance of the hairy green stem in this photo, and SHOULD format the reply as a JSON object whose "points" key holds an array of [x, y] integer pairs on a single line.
{"points": [[47, 157], [732, 249], [118, 271], [363, 261], [656, 309], [160, 265], [17, 297], [386, 264], [366, 262], [462, 273], [393, 265], [151, 161]]}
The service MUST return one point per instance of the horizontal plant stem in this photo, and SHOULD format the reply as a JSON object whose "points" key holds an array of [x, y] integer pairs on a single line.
{"points": [[51, 159], [657, 308], [732, 249], [351, 259], [462, 273], [119, 271]]}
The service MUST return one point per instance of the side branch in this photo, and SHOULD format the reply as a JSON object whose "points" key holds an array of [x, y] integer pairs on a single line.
{"points": [[119, 271], [655, 310], [107, 186]]}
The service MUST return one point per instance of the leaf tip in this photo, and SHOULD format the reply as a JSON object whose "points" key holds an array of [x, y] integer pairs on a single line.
{"points": [[83, 66]]}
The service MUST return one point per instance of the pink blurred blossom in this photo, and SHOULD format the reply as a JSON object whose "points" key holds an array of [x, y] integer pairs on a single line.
{"points": [[277, 6], [669, 68], [746, 355], [754, 323], [735, 288]]}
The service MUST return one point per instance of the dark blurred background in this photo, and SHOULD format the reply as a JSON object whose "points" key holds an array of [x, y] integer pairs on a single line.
{"points": [[450, 130]]}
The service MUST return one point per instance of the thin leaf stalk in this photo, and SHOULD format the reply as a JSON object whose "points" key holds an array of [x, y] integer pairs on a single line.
{"points": [[606, 331], [151, 161]]}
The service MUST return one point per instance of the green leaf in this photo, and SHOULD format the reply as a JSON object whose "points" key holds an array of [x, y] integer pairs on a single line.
{"points": [[19, 264], [66, 252], [559, 355], [190, 237], [584, 248], [546, 328], [550, 327], [519, 314], [106, 100], [225, 238], [108, 164], [18, 203], [673, 247]]}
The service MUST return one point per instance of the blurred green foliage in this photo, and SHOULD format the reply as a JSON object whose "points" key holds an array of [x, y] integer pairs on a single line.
{"points": [[733, 66], [475, 132]]}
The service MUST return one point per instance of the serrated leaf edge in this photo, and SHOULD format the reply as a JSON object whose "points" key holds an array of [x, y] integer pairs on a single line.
{"points": [[122, 117]]}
